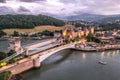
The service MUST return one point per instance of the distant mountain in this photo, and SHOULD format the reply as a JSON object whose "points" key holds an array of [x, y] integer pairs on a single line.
{"points": [[86, 17], [110, 19], [93, 18], [82, 16]]}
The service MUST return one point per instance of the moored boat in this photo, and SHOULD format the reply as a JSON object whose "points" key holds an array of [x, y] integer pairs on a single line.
{"points": [[102, 62]]}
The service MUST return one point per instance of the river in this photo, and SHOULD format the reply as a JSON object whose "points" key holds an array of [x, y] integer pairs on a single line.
{"points": [[77, 65], [74, 65]]}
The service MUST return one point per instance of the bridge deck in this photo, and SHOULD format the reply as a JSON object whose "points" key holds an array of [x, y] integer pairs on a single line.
{"points": [[42, 48]]}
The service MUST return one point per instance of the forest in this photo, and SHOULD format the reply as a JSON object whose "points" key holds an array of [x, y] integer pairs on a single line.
{"points": [[27, 21]]}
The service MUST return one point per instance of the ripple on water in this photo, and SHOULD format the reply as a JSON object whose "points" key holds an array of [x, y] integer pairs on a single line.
{"points": [[76, 65]]}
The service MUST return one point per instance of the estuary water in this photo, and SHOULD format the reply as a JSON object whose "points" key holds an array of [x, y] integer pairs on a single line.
{"points": [[77, 65], [74, 65]]}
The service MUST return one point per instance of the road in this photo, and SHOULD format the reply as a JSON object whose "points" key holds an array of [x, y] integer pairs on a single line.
{"points": [[42, 48]]}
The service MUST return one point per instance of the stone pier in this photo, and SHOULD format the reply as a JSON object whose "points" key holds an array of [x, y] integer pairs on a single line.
{"points": [[26, 51], [36, 62]]}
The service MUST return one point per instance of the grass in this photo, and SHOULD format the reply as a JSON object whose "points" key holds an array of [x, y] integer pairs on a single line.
{"points": [[36, 29]]}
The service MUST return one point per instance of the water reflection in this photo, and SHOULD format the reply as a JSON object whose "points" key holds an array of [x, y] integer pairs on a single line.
{"points": [[102, 55], [108, 54], [83, 56], [61, 68], [117, 52], [113, 54]]}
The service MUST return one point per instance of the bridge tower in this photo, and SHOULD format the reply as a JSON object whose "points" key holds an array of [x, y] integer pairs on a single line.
{"points": [[26, 51], [14, 44], [36, 62]]}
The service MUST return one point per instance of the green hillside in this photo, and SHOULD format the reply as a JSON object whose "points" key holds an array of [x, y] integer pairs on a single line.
{"points": [[27, 21]]}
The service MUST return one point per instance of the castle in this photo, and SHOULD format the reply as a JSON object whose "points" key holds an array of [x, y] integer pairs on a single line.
{"points": [[71, 33]]}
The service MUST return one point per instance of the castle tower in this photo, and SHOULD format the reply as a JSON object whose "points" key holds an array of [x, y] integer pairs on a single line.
{"points": [[86, 32], [14, 44], [64, 32], [91, 30]]}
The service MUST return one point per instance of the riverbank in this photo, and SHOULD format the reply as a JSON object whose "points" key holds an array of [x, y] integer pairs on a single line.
{"points": [[97, 48]]}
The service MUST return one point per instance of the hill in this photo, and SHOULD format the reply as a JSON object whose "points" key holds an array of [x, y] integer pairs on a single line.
{"points": [[93, 18], [86, 17], [27, 21], [110, 19]]}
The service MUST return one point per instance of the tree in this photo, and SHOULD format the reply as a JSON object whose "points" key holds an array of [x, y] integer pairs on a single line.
{"points": [[11, 52], [5, 75], [47, 33], [3, 64], [2, 55], [2, 33], [92, 38], [27, 21], [16, 33], [79, 25]]}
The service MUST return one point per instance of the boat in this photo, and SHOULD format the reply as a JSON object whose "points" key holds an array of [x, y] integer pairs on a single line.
{"points": [[102, 62]]}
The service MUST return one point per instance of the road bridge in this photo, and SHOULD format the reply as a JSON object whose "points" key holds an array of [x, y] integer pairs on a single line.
{"points": [[35, 60]]}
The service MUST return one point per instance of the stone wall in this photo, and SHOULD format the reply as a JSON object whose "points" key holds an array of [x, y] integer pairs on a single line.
{"points": [[21, 67]]}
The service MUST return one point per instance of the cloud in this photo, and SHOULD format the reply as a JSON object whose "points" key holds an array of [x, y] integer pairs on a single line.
{"points": [[2, 1], [23, 10], [62, 7], [6, 10], [31, 0]]}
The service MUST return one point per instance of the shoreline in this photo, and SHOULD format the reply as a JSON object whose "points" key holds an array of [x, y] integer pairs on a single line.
{"points": [[99, 48]]}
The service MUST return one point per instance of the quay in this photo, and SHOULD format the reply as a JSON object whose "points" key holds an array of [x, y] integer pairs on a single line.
{"points": [[97, 48]]}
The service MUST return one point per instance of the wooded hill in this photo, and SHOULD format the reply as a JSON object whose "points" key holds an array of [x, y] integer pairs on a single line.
{"points": [[27, 21]]}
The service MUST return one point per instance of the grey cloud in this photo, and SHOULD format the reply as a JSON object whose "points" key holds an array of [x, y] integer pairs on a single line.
{"points": [[31, 0], [23, 9], [100, 6], [2, 1], [64, 7], [6, 10], [68, 1]]}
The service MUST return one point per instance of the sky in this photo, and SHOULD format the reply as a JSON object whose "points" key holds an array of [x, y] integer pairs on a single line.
{"points": [[60, 7]]}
